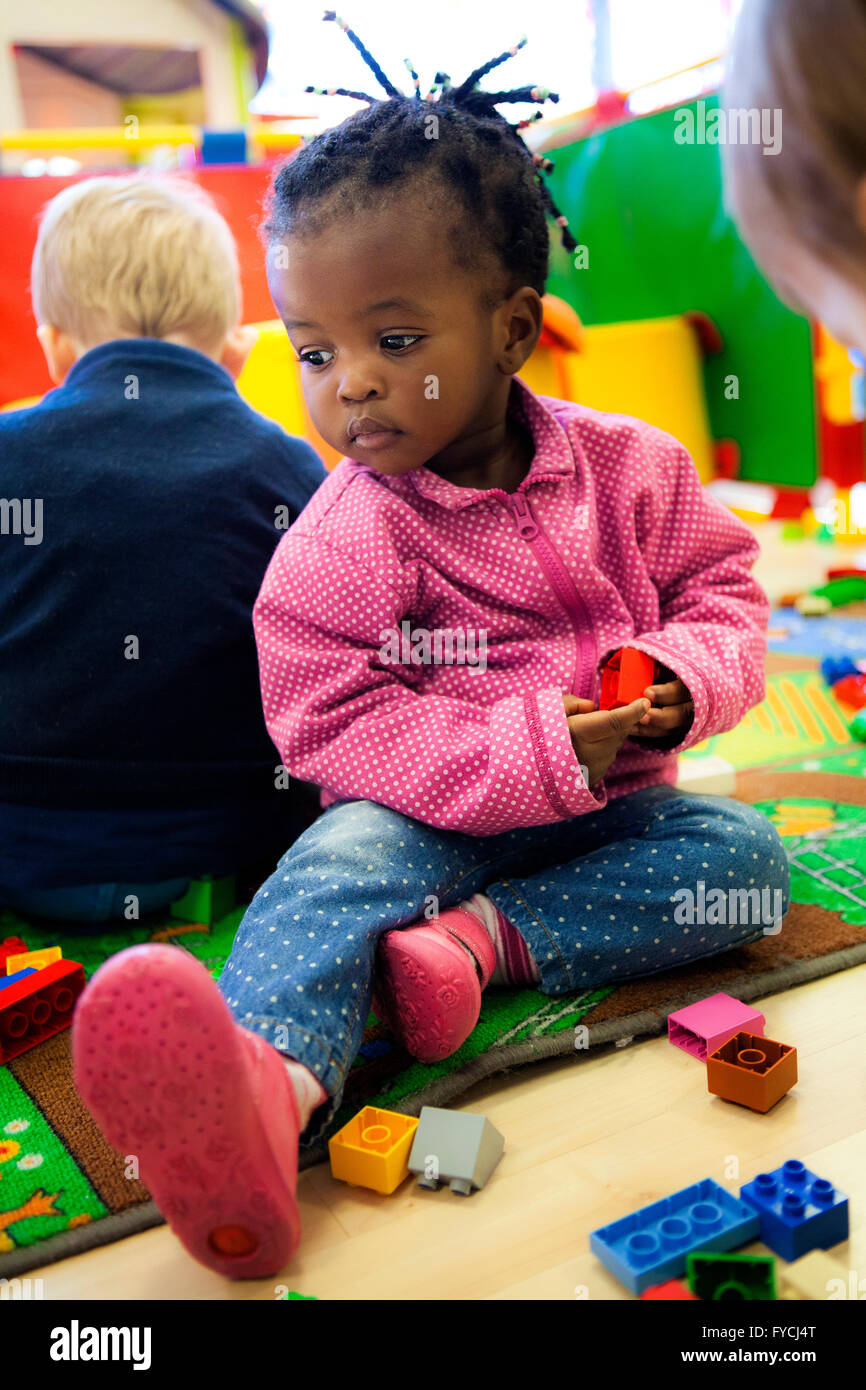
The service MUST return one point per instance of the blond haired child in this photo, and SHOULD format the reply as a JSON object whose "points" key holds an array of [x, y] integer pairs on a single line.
{"points": [[133, 753]]}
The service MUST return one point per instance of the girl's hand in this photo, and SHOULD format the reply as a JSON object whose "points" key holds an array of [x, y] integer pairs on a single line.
{"points": [[598, 735], [672, 713]]}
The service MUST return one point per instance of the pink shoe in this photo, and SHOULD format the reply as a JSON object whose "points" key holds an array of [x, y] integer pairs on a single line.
{"points": [[430, 992], [206, 1106]]}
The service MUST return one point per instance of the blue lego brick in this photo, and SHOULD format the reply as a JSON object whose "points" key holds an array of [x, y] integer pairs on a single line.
{"points": [[224, 147], [798, 1210], [833, 668], [19, 975], [652, 1244]]}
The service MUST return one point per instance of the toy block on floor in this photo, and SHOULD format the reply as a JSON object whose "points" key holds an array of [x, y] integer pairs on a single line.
{"points": [[798, 1210], [815, 1278], [625, 677], [651, 1245], [701, 1028], [747, 1277], [670, 1292], [38, 959], [454, 1147], [38, 1007], [851, 690], [206, 900], [836, 668], [752, 1070], [12, 946], [372, 1150]]}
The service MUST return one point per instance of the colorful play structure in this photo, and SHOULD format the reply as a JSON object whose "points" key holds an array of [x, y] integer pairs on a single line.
{"points": [[661, 312]]}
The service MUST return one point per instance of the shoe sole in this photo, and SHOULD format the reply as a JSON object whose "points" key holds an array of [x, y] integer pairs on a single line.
{"points": [[163, 1068]]}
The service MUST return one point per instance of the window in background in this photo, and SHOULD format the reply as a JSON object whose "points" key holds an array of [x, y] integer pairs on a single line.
{"points": [[653, 39], [576, 48], [454, 35]]}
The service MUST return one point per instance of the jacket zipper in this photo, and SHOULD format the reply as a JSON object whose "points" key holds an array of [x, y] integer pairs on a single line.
{"points": [[549, 559]]}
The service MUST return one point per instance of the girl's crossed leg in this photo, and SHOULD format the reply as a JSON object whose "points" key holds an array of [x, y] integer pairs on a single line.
{"points": [[621, 893]]}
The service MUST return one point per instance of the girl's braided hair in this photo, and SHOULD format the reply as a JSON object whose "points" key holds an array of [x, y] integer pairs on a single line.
{"points": [[476, 154]]}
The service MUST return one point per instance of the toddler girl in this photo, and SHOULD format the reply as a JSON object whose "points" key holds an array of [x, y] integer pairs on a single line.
{"points": [[485, 824]]}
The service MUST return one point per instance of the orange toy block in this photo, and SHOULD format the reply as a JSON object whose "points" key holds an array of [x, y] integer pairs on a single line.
{"points": [[752, 1071], [36, 959], [38, 1007], [625, 678], [372, 1150]]}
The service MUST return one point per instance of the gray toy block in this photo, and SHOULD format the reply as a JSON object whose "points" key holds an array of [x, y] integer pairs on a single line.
{"points": [[454, 1147]]}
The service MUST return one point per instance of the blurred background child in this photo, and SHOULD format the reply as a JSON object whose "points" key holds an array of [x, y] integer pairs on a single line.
{"points": [[133, 752], [803, 211]]}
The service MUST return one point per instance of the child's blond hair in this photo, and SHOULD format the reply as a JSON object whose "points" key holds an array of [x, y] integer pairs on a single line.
{"points": [[135, 257], [809, 61]]}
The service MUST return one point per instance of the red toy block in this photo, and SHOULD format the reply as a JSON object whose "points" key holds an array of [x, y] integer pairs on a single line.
{"points": [[671, 1291], [851, 690], [625, 678], [12, 946], [38, 1007]]}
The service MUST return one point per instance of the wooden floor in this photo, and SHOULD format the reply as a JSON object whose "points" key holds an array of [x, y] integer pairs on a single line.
{"points": [[586, 1140]]}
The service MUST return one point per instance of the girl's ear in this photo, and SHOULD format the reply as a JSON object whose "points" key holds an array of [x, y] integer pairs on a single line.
{"points": [[521, 318], [860, 204], [237, 348], [59, 349]]}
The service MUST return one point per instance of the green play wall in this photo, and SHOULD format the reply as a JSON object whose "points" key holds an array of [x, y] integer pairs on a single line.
{"points": [[659, 242]]}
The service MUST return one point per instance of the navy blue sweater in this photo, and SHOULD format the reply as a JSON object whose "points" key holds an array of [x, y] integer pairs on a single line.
{"points": [[159, 492]]}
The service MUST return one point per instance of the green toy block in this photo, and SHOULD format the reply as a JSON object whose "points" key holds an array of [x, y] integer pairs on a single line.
{"points": [[713, 1276], [850, 588], [206, 900]]}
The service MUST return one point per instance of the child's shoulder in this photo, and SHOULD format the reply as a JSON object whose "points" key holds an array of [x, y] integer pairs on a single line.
{"points": [[351, 493], [607, 438]]}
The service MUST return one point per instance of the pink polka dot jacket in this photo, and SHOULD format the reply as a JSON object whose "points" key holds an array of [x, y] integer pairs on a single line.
{"points": [[415, 637]]}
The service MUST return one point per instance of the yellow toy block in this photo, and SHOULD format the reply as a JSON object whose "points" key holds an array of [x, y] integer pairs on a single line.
{"points": [[650, 368], [814, 1278], [37, 960], [271, 383], [372, 1150]]}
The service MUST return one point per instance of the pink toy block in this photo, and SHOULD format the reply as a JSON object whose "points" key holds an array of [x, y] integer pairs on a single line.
{"points": [[703, 1027]]}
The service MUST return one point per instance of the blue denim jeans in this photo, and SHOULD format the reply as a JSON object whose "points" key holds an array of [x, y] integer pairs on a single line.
{"points": [[594, 897]]}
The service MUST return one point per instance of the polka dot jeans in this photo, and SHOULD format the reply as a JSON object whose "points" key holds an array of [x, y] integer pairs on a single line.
{"points": [[623, 892]]}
